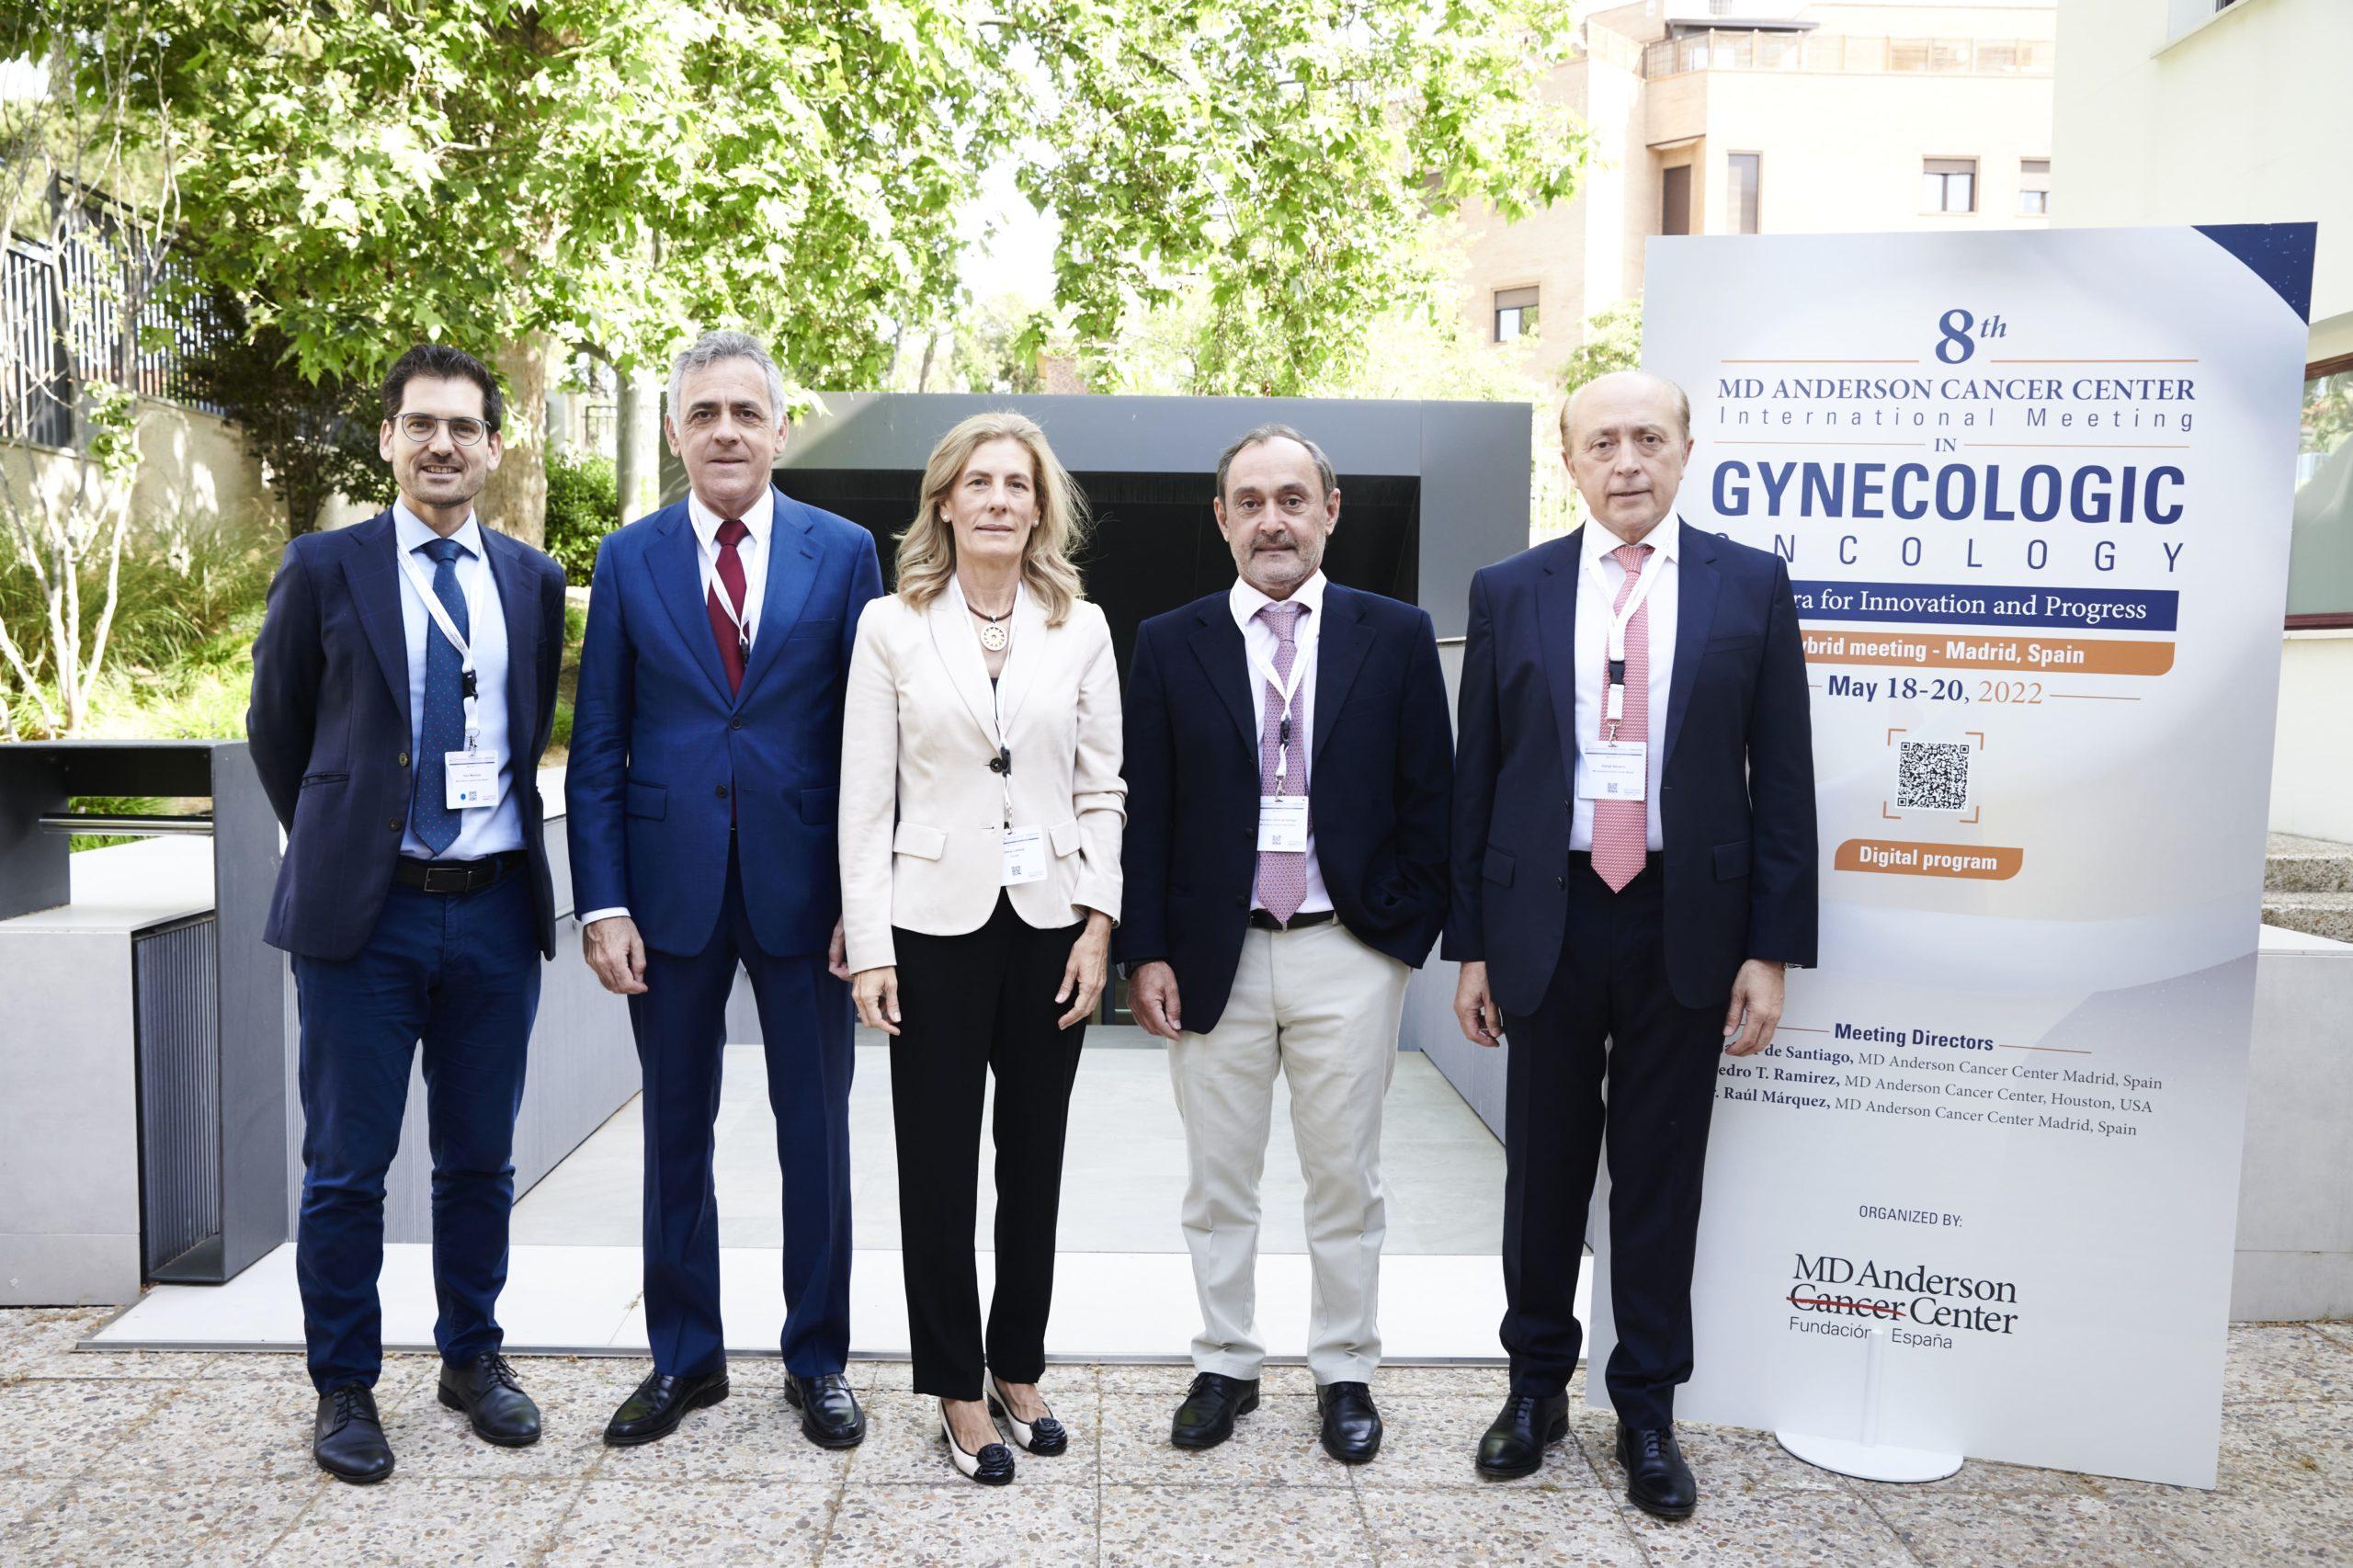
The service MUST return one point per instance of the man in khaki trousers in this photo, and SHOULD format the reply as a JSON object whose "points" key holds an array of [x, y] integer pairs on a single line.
{"points": [[1290, 765]]}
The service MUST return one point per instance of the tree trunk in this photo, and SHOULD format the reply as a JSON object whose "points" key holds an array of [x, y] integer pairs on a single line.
{"points": [[637, 432], [516, 500]]}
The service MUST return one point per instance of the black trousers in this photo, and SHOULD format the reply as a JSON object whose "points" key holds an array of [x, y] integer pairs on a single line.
{"points": [[969, 1005], [1609, 1017]]}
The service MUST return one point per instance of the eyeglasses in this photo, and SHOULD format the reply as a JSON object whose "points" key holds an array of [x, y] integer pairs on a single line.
{"points": [[422, 428]]}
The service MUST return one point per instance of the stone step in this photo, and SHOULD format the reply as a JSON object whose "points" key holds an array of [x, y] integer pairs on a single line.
{"points": [[2307, 865], [2326, 914]]}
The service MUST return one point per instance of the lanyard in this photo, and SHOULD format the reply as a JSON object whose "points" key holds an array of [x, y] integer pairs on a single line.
{"points": [[441, 614], [1613, 681], [1002, 763], [1287, 690], [717, 589]]}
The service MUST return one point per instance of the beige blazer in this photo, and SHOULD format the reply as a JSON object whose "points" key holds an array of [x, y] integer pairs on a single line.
{"points": [[923, 815]]}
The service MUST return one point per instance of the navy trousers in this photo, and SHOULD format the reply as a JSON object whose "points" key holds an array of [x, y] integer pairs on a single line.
{"points": [[1609, 1017], [680, 1021], [460, 973]]}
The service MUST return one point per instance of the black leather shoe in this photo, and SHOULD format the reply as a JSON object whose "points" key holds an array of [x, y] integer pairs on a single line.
{"points": [[660, 1402], [1206, 1418], [493, 1398], [1351, 1426], [1657, 1480], [348, 1439], [1526, 1425], [829, 1414]]}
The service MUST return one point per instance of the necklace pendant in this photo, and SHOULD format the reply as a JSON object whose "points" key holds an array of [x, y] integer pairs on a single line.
{"points": [[992, 638]]}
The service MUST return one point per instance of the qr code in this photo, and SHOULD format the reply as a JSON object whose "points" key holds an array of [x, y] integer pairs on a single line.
{"points": [[1931, 776]]}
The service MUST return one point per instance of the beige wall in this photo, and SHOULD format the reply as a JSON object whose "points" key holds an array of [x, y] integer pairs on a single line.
{"points": [[191, 466], [2313, 757]]}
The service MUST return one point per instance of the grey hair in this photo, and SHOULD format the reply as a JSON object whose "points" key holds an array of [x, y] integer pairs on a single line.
{"points": [[1259, 438], [719, 343]]}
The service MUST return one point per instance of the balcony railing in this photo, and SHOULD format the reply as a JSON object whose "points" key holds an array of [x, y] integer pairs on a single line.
{"points": [[1842, 52]]}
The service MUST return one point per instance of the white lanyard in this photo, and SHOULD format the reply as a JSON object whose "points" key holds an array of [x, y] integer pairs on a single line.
{"points": [[1613, 669], [441, 614], [1288, 690], [718, 590]]}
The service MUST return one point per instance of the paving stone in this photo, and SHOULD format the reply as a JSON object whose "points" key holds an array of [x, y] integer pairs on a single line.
{"points": [[1988, 1478], [963, 1524], [903, 1445], [700, 1522], [176, 1520], [2286, 1446], [1273, 1446], [429, 1440], [230, 1431], [2274, 1361], [1497, 1525], [1769, 1529], [416, 1519], [2020, 1532], [1432, 1443], [60, 1428], [2203, 1527], [1723, 1459], [21, 1498], [1201, 1527]]}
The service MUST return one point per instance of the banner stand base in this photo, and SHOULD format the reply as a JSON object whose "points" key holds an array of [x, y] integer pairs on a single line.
{"points": [[1870, 1462]]}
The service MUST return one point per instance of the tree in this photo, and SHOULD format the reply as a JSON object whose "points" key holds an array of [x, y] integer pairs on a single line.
{"points": [[315, 436], [1613, 341]]}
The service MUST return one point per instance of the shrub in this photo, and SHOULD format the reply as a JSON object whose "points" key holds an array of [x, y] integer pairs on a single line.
{"points": [[584, 505]]}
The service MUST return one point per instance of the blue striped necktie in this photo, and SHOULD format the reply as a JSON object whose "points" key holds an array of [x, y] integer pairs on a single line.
{"points": [[435, 823]]}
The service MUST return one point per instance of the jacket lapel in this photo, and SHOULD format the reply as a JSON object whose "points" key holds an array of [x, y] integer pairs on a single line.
{"points": [[791, 572], [1028, 655], [1556, 631], [522, 636], [372, 568], [1340, 648], [1217, 643], [959, 656], [677, 581], [1695, 610]]}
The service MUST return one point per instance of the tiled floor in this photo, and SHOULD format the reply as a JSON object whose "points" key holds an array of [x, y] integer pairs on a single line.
{"points": [[124, 1457]]}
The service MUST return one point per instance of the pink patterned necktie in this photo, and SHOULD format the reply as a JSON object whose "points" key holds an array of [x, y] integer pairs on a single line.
{"points": [[1621, 828], [1282, 874]]}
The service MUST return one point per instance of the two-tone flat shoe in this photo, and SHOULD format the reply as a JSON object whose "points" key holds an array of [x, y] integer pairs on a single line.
{"points": [[993, 1466]]}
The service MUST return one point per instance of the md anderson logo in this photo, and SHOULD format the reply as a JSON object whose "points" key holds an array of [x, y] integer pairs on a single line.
{"points": [[1839, 1296]]}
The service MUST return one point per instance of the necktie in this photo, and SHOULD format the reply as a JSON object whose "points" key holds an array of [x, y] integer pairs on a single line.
{"points": [[1621, 828], [732, 644], [444, 730], [1282, 874]]}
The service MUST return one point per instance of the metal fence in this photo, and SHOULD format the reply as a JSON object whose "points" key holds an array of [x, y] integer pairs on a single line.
{"points": [[1719, 50]]}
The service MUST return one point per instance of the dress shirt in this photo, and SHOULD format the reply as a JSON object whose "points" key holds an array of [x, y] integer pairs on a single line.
{"points": [[1598, 577], [758, 520], [482, 831], [1260, 637]]}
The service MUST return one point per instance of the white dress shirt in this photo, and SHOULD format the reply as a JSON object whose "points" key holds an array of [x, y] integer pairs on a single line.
{"points": [[481, 830], [1598, 577], [1260, 637]]}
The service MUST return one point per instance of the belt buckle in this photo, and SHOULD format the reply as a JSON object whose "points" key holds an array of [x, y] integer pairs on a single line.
{"points": [[459, 878]]}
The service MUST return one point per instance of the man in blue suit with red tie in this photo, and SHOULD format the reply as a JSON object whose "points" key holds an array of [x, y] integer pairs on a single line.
{"points": [[704, 792], [403, 690], [1633, 867]]}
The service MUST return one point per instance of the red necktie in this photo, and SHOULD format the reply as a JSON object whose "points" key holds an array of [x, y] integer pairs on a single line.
{"points": [[732, 644], [1621, 829]]}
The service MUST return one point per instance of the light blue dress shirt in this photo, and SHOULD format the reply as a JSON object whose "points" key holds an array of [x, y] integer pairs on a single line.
{"points": [[481, 830]]}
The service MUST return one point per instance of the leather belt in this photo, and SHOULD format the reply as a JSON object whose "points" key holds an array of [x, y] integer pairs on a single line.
{"points": [[1263, 920], [456, 876]]}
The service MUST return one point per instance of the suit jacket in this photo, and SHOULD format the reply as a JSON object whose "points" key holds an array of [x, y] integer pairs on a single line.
{"points": [[922, 814], [665, 758], [1736, 798], [1378, 779], [331, 733]]}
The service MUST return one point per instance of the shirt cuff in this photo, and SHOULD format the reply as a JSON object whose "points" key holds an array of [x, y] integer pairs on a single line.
{"points": [[596, 914]]}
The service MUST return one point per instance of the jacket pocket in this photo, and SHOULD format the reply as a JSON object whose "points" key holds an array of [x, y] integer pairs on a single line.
{"points": [[311, 778], [1496, 868], [650, 800], [923, 843], [1064, 837], [1732, 860], [822, 808]]}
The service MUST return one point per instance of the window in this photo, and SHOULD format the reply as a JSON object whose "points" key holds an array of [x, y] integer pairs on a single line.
{"points": [[1675, 200], [2320, 550], [2034, 188], [1742, 197], [1949, 185], [1515, 314]]}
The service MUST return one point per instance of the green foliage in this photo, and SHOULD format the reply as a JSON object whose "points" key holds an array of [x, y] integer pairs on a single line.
{"points": [[584, 505], [1613, 341]]}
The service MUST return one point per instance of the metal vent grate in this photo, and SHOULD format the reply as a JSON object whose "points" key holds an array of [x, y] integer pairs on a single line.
{"points": [[176, 985]]}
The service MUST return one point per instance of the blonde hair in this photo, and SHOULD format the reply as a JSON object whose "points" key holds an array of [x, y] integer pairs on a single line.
{"points": [[928, 548]]}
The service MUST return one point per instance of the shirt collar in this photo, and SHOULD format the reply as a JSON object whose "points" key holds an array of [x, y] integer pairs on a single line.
{"points": [[413, 532], [1668, 537], [1246, 601], [757, 520]]}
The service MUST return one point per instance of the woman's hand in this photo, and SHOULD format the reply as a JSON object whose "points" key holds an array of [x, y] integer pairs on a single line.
{"points": [[876, 990], [1083, 976]]}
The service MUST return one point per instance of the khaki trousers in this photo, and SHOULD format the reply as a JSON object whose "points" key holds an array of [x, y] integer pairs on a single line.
{"points": [[1323, 1008]]}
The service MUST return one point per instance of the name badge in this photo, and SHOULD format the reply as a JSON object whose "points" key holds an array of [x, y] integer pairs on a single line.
{"points": [[473, 778], [1025, 855], [1282, 823], [1613, 772]]}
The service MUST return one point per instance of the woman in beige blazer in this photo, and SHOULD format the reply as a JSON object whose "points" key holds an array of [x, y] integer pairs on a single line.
{"points": [[981, 808]]}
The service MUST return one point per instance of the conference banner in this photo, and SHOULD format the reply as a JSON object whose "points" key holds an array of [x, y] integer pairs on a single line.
{"points": [[2033, 489]]}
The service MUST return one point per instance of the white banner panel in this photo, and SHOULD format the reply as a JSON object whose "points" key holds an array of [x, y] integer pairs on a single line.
{"points": [[2033, 489]]}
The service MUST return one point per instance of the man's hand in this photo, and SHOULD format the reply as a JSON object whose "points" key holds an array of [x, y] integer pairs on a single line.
{"points": [[876, 992], [1756, 1007], [616, 953], [838, 952], [1474, 1007], [1152, 997]]}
